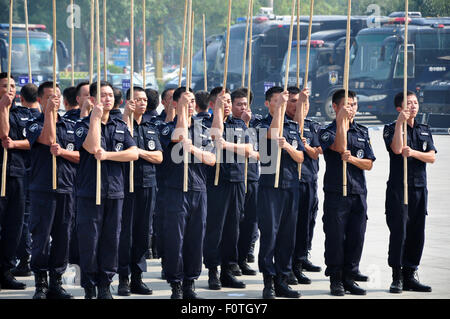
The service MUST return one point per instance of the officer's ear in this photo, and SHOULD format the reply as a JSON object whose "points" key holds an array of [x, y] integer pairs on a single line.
{"points": [[93, 100], [399, 109], [266, 103]]}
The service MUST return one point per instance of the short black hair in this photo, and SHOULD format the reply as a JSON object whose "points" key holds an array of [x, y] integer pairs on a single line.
{"points": [[152, 99], [201, 99], [79, 86], [273, 90], [166, 90], [398, 99], [340, 94], [93, 87], [4, 75], [135, 89], [293, 90], [178, 92], [240, 93], [29, 92], [70, 94], [45, 85], [117, 97], [215, 92]]}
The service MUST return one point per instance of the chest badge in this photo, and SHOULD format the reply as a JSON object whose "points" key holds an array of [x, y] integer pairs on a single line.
{"points": [[151, 145], [294, 144], [70, 147], [360, 154], [425, 146]]}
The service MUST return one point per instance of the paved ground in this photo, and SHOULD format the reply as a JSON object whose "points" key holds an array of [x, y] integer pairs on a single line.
{"points": [[435, 265]]}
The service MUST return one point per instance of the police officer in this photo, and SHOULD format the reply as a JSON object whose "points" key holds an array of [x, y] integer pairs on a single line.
{"points": [[407, 222], [345, 218], [98, 226], [71, 106], [277, 208], [116, 113], [83, 98], [52, 210], [137, 215], [226, 200], [248, 225], [12, 206], [308, 184], [29, 99], [185, 214]]}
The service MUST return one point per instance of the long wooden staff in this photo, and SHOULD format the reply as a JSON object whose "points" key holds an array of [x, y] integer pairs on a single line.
{"points": [[205, 64], [405, 102], [225, 74], [249, 78], [188, 84], [55, 114], [91, 57], [72, 44], [245, 43], [286, 79], [5, 152], [105, 64], [132, 89], [305, 79], [144, 43], [191, 53], [298, 44], [183, 44], [30, 76], [98, 191], [346, 76]]}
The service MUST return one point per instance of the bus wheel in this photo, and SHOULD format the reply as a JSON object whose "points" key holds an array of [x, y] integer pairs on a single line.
{"points": [[327, 111]]}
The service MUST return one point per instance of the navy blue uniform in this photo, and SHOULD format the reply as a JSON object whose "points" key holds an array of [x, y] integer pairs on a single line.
{"points": [[52, 210], [277, 208], [226, 200], [248, 227], [407, 222], [138, 207], [309, 200], [116, 114], [185, 213], [73, 115], [98, 227], [344, 218], [12, 206]]}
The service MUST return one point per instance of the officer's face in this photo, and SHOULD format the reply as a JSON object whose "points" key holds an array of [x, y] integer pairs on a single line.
{"points": [[107, 98], [4, 86], [413, 105], [83, 95], [227, 107], [168, 99], [45, 96], [292, 105], [239, 106], [353, 103], [140, 98]]}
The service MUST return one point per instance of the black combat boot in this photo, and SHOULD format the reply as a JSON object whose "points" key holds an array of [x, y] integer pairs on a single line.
{"points": [[104, 292], [298, 272], [336, 285], [41, 284], [410, 283], [268, 291], [176, 290], [307, 265], [189, 290], [137, 286], [246, 270], [235, 269], [8, 282], [55, 290], [358, 276], [22, 269], [227, 278], [90, 292], [397, 281], [251, 255], [213, 279], [124, 286], [352, 287], [282, 288]]}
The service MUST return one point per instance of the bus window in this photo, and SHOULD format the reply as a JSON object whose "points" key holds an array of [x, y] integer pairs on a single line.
{"points": [[399, 65], [41, 52]]}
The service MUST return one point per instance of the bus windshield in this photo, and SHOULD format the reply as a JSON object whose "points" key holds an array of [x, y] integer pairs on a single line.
{"points": [[41, 52], [371, 57], [293, 62]]}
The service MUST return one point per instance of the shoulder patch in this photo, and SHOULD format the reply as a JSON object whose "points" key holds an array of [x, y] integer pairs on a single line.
{"points": [[79, 132]]}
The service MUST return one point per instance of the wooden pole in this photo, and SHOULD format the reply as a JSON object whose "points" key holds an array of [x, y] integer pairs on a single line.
{"points": [[183, 44], [224, 85], [188, 84], [72, 46], [306, 77], [191, 53], [132, 89], [405, 103], [98, 191], [245, 44], [144, 43], [205, 64], [346, 76], [30, 75], [286, 79], [105, 64], [55, 114], [91, 57], [298, 45], [5, 151]]}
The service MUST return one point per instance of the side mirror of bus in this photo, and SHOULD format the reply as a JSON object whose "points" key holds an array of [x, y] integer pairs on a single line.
{"points": [[3, 49], [63, 55]]}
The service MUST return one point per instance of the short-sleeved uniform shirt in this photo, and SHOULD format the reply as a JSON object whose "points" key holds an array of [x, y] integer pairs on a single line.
{"points": [[358, 142], [115, 137], [41, 159], [310, 167], [419, 139], [288, 177]]}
